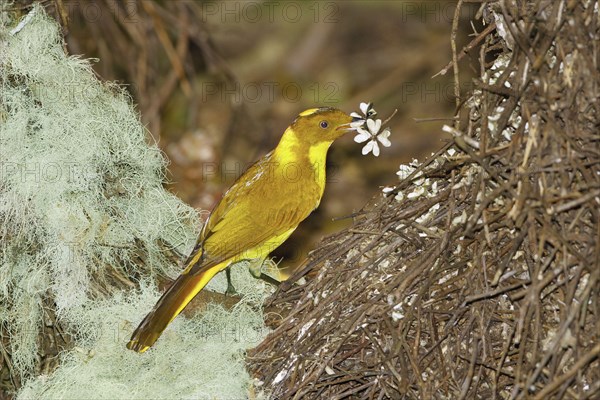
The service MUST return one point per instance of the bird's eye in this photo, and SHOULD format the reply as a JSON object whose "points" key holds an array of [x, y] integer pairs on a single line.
{"points": [[324, 124]]}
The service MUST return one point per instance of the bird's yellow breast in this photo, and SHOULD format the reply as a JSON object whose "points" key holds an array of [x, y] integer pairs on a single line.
{"points": [[292, 154]]}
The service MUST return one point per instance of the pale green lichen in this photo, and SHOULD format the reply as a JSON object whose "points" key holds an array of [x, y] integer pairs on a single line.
{"points": [[81, 194]]}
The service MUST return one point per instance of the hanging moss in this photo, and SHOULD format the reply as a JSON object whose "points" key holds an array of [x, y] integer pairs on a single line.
{"points": [[83, 218]]}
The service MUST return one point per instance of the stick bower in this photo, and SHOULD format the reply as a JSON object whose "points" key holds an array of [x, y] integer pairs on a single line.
{"points": [[477, 275]]}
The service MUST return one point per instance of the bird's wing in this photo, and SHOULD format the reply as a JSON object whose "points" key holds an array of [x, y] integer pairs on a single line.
{"points": [[244, 219]]}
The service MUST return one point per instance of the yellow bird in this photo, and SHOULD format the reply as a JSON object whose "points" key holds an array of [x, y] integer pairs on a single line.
{"points": [[258, 213]]}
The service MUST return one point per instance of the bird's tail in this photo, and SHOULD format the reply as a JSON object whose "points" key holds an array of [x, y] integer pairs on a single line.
{"points": [[172, 302]]}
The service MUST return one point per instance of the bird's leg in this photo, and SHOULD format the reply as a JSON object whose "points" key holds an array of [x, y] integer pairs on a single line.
{"points": [[230, 289]]}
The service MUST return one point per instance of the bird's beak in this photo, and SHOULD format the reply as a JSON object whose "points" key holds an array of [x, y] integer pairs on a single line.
{"points": [[346, 127]]}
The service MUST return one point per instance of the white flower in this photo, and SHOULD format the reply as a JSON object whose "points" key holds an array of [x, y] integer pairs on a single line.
{"points": [[367, 109], [373, 135], [416, 193], [360, 120], [368, 128], [404, 171]]}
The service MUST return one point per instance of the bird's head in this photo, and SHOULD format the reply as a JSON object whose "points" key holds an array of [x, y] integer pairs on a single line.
{"points": [[317, 125]]}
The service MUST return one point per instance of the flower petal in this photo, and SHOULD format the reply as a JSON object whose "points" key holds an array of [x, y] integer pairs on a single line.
{"points": [[383, 137], [375, 149], [356, 115], [364, 107], [357, 124], [362, 136], [377, 125], [363, 130], [368, 147], [404, 171], [371, 125], [374, 125], [384, 141]]}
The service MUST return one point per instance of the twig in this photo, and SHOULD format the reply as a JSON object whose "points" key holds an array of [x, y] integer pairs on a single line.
{"points": [[490, 28]]}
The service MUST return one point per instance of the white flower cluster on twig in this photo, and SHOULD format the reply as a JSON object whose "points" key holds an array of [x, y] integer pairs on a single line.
{"points": [[368, 129]]}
